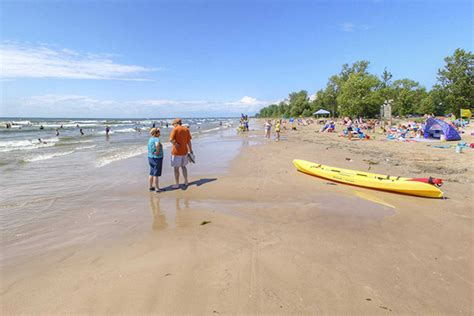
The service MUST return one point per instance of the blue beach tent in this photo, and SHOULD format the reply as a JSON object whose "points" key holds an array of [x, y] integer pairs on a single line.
{"points": [[435, 127]]}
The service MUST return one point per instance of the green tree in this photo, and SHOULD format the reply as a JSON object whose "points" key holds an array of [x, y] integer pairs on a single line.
{"points": [[354, 91], [358, 95], [426, 106], [456, 80], [298, 102], [386, 89], [407, 96]]}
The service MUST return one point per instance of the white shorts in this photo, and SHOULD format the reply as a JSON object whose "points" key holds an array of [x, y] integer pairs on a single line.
{"points": [[179, 161]]}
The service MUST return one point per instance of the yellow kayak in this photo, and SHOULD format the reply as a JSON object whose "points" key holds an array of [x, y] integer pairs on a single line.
{"points": [[427, 187]]}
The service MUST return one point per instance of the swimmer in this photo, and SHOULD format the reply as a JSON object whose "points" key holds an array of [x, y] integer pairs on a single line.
{"points": [[80, 130]]}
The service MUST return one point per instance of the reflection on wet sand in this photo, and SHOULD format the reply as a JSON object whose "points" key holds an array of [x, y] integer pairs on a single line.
{"points": [[166, 215], [178, 203], [159, 219]]}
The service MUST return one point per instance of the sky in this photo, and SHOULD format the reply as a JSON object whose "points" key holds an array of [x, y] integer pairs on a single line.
{"points": [[141, 59]]}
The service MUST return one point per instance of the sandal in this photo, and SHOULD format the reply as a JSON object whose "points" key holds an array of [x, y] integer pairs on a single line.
{"points": [[151, 189]]}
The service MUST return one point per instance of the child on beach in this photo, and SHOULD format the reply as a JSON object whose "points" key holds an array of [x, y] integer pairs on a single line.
{"points": [[277, 129], [268, 128], [155, 159]]}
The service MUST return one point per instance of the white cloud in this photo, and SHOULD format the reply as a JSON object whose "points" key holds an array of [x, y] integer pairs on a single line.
{"points": [[83, 106], [347, 27], [351, 27], [41, 61], [248, 100]]}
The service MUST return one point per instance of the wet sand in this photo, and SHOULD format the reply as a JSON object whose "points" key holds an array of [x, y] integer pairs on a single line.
{"points": [[275, 241]]}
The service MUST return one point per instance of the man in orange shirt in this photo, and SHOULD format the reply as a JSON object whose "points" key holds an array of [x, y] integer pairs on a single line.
{"points": [[180, 137]]}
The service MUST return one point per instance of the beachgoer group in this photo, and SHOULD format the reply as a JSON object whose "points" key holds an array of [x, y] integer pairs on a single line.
{"points": [[244, 123], [181, 154]]}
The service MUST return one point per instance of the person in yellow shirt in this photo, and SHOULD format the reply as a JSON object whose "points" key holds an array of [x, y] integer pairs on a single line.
{"points": [[278, 129]]}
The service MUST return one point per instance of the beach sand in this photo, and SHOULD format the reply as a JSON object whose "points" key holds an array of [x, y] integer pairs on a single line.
{"points": [[252, 235]]}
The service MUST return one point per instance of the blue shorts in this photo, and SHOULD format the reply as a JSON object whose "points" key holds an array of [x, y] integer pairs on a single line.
{"points": [[156, 165]]}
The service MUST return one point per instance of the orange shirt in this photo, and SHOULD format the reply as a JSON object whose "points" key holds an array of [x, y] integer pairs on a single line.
{"points": [[182, 137]]}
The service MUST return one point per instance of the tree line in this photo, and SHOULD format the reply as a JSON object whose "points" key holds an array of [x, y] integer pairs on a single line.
{"points": [[356, 92]]}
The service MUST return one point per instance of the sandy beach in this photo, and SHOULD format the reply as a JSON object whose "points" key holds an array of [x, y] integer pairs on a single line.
{"points": [[251, 235]]}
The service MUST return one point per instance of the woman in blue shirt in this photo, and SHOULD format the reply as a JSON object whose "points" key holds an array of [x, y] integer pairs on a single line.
{"points": [[155, 159]]}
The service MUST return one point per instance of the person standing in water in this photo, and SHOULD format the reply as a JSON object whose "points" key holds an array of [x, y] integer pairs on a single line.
{"points": [[80, 130], [107, 130], [180, 137], [268, 129], [155, 159], [57, 132]]}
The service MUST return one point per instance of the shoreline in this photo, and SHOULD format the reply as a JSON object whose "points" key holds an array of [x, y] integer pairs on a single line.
{"points": [[278, 241]]}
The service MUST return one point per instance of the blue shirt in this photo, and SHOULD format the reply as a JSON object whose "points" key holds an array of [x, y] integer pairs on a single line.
{"points": [[152, 147]]}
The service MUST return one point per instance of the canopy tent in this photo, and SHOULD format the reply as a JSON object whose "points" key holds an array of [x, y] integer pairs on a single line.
{"points": [[321, 112], [435, 128]]}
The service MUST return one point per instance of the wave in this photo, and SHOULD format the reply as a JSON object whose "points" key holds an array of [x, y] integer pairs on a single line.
{"points": [[88, 121], [211, 130], [21, 123], [47, 156], [14, 145], [85, 147], [103, 133], [126, 130], [120, 156]]}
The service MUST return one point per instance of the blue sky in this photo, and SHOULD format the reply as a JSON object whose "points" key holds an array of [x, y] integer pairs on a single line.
{"points": [[199, 58]]}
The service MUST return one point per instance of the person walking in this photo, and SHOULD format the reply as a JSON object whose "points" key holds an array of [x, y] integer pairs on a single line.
{"points": [[155, 159], [180, 137]]}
